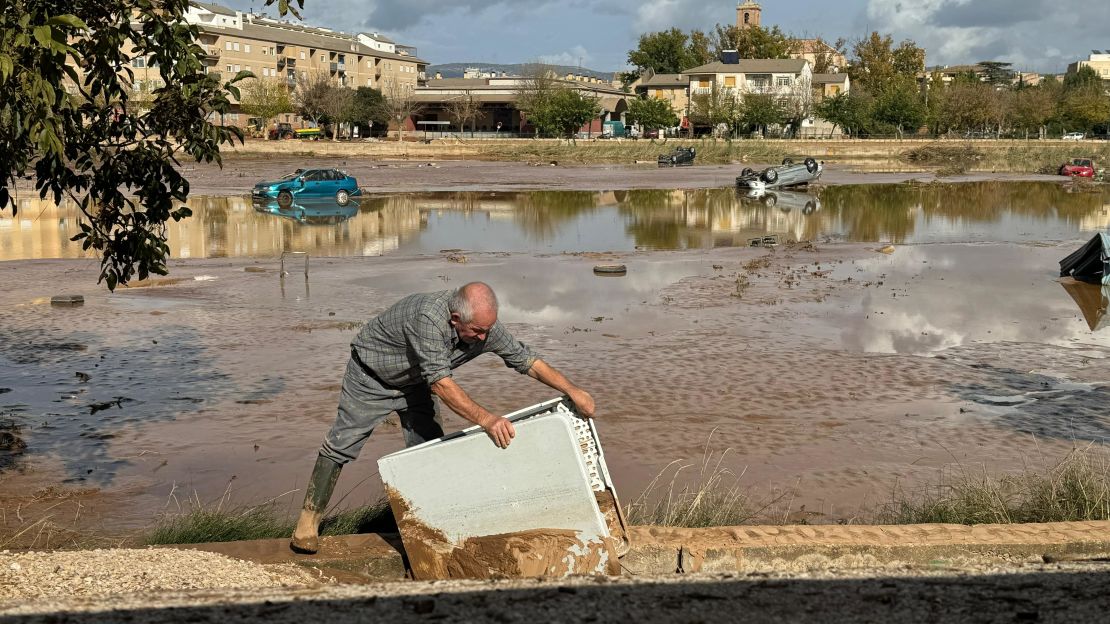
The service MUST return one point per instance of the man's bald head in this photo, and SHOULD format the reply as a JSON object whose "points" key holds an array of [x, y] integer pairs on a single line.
{"points": [[474, 302]]}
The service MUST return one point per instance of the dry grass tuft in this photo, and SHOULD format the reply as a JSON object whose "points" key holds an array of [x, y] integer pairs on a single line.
{"points": [[1076, 488]]}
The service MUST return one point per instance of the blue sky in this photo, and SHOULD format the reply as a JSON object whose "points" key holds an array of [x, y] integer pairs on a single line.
{"points": [[1036, 35]]}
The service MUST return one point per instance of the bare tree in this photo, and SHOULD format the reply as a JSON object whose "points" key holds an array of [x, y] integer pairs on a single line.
{"points": [[399, 103], [464, 109], [312, 95], [337, 106]]}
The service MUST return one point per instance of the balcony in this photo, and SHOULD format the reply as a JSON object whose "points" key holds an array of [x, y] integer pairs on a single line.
{"points": [[213, 52], [339, 68], [286, 61]]}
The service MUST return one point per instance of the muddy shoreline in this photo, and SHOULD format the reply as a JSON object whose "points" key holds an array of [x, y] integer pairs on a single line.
{"points": [[827, 375], [379, 176], [240, 173]]}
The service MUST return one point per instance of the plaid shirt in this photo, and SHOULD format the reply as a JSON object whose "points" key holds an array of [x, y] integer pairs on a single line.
{"points": [[412, 342]]}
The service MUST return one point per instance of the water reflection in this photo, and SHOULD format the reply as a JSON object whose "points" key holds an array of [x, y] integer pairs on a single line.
{"points": [[1093, 301], [309, 211], [557, 221]]}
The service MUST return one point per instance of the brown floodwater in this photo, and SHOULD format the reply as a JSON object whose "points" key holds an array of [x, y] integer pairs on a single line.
{"points": [[833, 372], [562, 221]]}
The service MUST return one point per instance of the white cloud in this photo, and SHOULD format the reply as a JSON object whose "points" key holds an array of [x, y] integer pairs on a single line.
{"points": [[1039, 35], [575, 56]]}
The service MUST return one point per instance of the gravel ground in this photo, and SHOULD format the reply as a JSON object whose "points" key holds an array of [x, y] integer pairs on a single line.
{"points": [[1038, 593], [98, 573]]}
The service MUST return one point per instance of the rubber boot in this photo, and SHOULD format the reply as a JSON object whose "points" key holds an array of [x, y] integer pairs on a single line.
{"points": [[306, 539]]}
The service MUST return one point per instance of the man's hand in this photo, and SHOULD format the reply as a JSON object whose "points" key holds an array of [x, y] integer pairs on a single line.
{"points": [[501, 431], [583, 402]]}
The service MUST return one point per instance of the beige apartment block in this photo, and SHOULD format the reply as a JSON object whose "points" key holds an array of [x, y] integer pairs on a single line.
{"points": [[790, 78], [1098, 61], [283, 50], [674, 88]]}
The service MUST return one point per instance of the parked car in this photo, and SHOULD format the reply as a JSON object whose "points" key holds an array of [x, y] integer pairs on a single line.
{"points": [[305, 183], [789, 174], [680, 156], [651, 134], [1078, 168], [309, 210], [1074, 136]]}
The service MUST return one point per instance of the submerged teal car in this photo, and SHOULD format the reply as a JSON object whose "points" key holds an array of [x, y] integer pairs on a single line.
{"points": [[306, 183]]}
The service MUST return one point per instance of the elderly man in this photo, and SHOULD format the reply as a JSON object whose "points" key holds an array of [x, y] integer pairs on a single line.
{"points": [[402, 358]]}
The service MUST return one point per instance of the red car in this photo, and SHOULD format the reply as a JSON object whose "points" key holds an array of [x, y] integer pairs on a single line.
{"points": [[1079, 167]]}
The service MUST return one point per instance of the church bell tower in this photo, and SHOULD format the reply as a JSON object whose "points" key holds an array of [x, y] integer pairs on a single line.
{"points": [[747, 14]]}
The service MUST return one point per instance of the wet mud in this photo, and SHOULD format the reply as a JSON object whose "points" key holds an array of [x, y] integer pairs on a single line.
{"points": [[828, 371], [524, 554]]}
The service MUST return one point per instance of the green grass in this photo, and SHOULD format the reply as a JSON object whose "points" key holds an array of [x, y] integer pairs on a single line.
{"points": [[202, 524], [1075, 489]]}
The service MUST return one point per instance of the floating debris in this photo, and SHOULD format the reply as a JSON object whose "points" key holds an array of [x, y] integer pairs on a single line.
{"points": [[67, 300], [610, 269]]}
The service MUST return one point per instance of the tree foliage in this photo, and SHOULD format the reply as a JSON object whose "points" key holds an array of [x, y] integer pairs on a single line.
{"points": [[714, 108], [876, 63], [68, 119], [562, 111], [762, 110], [664, 52], [753, 42], [652, 113], [265, 98], [367, 108]]}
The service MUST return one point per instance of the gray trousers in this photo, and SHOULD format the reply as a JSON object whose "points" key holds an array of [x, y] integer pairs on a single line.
{"points": [[364, 402]]}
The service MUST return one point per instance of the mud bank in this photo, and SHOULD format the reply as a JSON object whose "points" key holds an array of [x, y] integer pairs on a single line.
{"points": [[240, 173]]}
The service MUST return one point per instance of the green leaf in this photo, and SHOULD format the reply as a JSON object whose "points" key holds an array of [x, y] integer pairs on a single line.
{"points": [[44, 35], [67, 20], [6, 67]]}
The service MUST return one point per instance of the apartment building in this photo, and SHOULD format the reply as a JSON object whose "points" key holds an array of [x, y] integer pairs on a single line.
{"points": [[283, 50], [1097, 60], [674, 88], [791, 78]]}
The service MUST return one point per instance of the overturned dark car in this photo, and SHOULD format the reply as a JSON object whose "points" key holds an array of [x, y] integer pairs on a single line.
{"points": [[787, 175], [680, 156]]}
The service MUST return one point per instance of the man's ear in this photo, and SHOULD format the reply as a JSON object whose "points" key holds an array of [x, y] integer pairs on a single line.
{"points": [[455, 318]]}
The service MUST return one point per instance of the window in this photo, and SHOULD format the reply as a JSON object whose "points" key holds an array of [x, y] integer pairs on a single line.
{"points": [[227, 45], [704, 84], [835, 90], [730, 81], [659, 93], [302, 55], [248, 68], [323, 58], [747, 18], [783, 81], [247, 48], [138, 61], [369, 65], [369, 82], [238, 69], [229, 69], [235, 46]]}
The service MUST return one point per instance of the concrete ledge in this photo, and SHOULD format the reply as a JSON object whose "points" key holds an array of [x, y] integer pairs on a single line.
{"points": [[666, 550]]}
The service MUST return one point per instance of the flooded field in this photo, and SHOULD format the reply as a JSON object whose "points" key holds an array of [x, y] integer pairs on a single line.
{"points": [[828, 369]]}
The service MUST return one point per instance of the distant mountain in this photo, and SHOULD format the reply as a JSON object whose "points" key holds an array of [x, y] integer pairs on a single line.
{"points": [[455, 70]]}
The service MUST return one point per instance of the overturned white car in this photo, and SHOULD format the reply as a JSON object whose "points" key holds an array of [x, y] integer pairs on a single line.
{"points": [[789, 174]]}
